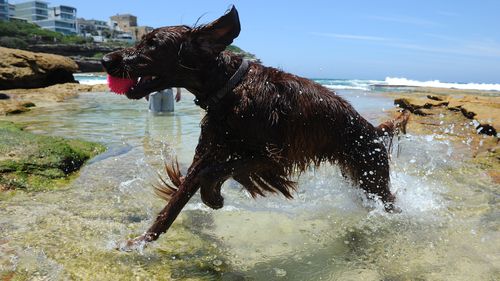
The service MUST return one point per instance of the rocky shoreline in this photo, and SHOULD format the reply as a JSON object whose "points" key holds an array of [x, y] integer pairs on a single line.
{"points": [[469, 119], [23, 69], [33, 162], [481, 106], [16, 101], [86, 56]]}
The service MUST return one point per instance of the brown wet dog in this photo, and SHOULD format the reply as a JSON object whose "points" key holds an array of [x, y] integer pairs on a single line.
{"points": [[261, 124]]}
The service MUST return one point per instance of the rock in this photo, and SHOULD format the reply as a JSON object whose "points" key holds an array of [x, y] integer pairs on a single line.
{"points": [[468, 114], [82, 50], [28, 104], [471, 120], [482, 107], [22, 99], [486, 129], [431, 97], [23, 69], [411, 106], [88, 64], [4, 96], [16, 110], [36, 162]]}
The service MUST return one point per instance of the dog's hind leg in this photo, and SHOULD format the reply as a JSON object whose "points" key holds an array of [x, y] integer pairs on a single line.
{"points": [[210, 193], [212, 178], [392, 127], [258, 174], [367, 164]]}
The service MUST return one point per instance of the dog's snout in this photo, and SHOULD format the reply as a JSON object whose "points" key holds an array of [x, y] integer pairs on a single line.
{"points": [[111, 61]]}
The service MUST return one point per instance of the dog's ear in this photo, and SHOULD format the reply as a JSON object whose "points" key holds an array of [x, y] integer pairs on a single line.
{"points": [[214, 37]]}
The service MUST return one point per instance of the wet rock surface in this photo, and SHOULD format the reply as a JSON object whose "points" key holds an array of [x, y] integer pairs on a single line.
{"points": [[83, 50], [35, 162], [481, 106], [23, 69], [22, 100], [470, 119]]}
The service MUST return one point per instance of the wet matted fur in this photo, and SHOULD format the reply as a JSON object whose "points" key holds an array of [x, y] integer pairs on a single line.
{"points": [[270, 125]]}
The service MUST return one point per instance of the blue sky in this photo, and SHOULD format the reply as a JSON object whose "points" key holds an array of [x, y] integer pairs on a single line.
{"points": [[452, 41]]}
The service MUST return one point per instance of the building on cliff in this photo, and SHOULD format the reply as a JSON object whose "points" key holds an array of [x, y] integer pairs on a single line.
{"points": [[91, 26], [59, 18], [128, 23], [97, 29], [4, 10], [123, 22], [32, 11], [12, 11]]}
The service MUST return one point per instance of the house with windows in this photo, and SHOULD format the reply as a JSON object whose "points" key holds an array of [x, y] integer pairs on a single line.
{"points": [[4, 10], [128, 23], [59, 18], [92, 26]]}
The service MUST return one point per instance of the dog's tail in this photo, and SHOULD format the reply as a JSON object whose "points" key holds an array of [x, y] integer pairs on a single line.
{"points": [[391, 128], [164, 189]]}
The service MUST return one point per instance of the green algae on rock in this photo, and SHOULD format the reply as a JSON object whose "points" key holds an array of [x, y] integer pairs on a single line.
{"points": [[35, 162]]}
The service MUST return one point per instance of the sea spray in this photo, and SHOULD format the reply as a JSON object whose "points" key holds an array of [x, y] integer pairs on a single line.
{"points": [[438, 84]]}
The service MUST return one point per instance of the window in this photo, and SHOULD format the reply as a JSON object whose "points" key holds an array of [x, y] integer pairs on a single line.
{"points": [[68, 10], [41, 5], [41, 12]]}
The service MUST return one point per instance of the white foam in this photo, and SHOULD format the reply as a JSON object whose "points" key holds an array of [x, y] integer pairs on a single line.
{"points": [[438, 84], [92, 82], [355, 84], [90, 79], [414, 195], [343, 87]]}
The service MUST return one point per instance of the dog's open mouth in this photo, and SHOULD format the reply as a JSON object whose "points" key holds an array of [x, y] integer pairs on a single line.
{"points": [[135, 87]]}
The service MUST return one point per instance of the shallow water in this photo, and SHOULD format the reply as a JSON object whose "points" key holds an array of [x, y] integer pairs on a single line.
{"points": [[448, 228]]}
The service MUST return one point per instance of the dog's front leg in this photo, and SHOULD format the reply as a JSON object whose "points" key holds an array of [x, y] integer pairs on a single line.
{"points": [[167, 216]]}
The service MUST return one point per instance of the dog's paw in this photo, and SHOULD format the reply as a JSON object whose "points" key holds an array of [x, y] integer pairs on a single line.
{"points": [[136, 244], [391, 208]]}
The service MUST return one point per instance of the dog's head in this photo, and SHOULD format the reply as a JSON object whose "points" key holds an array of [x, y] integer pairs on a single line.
{"points": [[168, 56]]}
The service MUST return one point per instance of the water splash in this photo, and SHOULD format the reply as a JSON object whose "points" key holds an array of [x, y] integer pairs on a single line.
{"points": [[329, 231]]}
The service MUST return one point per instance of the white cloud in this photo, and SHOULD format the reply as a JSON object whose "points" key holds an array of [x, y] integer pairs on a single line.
{"points": [[406, 20], [350, 36], [460, 47]]}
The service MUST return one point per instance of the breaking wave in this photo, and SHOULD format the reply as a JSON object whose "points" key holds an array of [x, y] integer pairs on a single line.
{"points": [[392, 81]]}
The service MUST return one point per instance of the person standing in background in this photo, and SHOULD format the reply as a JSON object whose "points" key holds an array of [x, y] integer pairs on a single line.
{"points": [[163, 101]]}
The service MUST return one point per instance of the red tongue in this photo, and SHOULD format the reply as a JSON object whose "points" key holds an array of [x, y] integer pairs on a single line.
{"points": [[120, 85]]}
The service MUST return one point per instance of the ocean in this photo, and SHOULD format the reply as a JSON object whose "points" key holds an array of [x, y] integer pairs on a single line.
{"points": [[349, 84]]}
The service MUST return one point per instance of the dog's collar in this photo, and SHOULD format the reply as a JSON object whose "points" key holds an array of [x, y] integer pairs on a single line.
{"points": [[233, 81]]}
